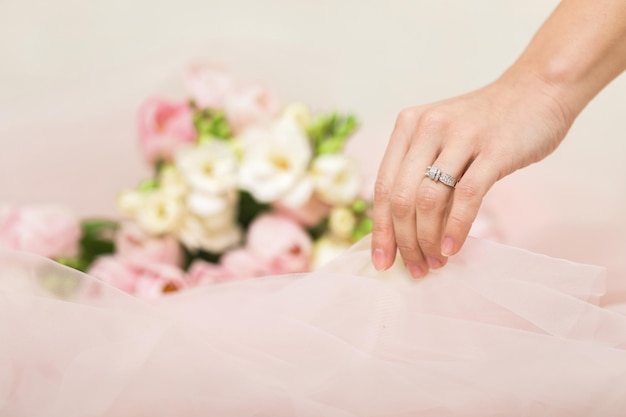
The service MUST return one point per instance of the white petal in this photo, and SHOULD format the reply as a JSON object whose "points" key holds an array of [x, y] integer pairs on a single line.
{"points": [[159, 213], [128, 202], [337, 179], [210, 167], [203, 204], [299, 194], [219, 242]]}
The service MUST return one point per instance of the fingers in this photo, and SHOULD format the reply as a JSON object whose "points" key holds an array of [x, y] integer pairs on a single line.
{"points": [[383, 234], [403, 203], [433, 202], [425, 219], [468, 195]]}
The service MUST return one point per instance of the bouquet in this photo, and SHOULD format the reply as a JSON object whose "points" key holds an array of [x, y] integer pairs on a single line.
{"points": [[242, 187]]}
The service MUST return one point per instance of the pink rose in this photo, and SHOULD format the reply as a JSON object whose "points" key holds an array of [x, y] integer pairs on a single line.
{"points": [[242, 263], [163, 127], [209, 86], [250, 105], [309, 214], [145, 280], [202, 272], [114, 271], [49, 231], [132, 243], [280, 244]]}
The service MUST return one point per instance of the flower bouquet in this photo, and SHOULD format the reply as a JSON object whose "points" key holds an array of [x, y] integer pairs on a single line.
{"points": [[242, 187]]}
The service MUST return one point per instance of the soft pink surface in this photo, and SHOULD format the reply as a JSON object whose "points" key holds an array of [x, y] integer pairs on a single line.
{"points": [[499, 332]]}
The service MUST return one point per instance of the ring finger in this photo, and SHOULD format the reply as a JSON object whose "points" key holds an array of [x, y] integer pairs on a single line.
{"points": [[433, 199]]}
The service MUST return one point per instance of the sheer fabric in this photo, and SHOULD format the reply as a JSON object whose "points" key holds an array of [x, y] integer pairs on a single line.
{"points": [[498, 332]]}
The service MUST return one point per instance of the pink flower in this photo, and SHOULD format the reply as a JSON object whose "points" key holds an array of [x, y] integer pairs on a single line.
{"points": [[242, 263], [135, 245], [250, 105], [209, 86], [280, 244], [114, 271], [309, 214], [202, 272], [163, 127], [145, 280], [49, 231]]}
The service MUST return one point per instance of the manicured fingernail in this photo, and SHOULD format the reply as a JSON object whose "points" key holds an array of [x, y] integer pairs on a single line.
{"points": [[378, 257], [434, 263], [415, 270], [447, 247]]}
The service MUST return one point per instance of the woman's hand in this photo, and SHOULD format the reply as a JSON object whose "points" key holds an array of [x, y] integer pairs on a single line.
{"points": [[477, 138]]}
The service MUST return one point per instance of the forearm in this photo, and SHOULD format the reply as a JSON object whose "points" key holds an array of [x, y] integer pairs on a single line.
{"points": [[577, 51]]}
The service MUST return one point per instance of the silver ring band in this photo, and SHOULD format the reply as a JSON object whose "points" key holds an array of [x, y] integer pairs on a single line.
{"points": [[435, 174]]}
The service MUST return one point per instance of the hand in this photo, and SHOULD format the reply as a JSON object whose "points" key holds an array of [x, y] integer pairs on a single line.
{"points": [[477, 138]]}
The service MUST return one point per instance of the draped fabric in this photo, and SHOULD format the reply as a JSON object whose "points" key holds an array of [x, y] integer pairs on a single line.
{"points": [[498, 332]]}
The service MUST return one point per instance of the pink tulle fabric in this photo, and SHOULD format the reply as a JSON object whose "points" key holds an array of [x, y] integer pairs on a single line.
{"points": [[498, 332]]}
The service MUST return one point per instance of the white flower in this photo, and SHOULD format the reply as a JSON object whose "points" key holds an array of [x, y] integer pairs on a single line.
{"points": [[196, 234], [159, 213], [326, 249], [341, 222], [129, 202], [337, 179], [274, 163], [300, 113], [210, 167], [172, 183], [207, 205], [300, 194]]}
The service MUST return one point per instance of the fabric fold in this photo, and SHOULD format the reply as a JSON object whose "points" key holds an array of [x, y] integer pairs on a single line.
{"points": [[499, 331]]}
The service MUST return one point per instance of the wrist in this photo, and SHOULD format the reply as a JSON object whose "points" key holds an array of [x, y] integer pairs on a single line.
{"points": [[541, 92]]}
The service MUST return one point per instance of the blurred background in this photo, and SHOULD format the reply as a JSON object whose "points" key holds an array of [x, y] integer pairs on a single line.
{"points": [[72, 74]]}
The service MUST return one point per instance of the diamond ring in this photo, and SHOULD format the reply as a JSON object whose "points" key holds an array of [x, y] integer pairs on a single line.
{"points": [[435, 174]]}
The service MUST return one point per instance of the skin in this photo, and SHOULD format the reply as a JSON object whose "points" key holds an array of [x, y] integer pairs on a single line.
{"points": [[487, 134]]}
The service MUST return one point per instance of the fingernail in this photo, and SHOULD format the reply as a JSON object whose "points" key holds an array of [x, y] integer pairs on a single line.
{"points": [[378, 256], [434, 263], [415, 270], [447, 247]]}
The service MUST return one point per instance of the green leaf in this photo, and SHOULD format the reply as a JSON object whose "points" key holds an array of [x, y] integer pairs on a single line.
{"points": [[190, 257], [212, 124], [96, 240], [360, 206], [362, 229], [249, 209], [330, 132], [319, 230], [149, 184]]}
